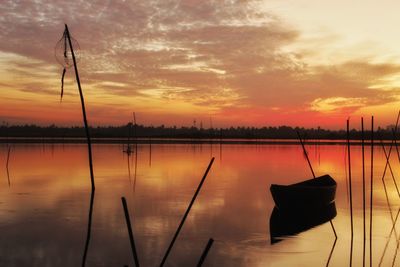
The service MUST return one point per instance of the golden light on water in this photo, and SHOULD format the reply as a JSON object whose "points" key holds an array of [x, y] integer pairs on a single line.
{"points": [[50, 188]]}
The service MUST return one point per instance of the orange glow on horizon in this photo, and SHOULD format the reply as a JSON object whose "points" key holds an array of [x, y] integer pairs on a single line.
{"points": [[258, 63]]}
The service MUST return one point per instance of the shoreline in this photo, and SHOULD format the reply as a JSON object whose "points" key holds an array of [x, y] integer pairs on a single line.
{"points": [[150, 140]]}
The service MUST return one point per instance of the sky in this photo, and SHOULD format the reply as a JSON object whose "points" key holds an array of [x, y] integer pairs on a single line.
{"points": [[220, 63]]}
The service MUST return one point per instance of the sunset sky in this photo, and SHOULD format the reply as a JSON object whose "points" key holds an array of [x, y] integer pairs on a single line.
{"points": [[239, 62]]}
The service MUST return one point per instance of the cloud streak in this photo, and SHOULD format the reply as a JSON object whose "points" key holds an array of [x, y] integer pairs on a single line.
{"points": [[226, 55]]}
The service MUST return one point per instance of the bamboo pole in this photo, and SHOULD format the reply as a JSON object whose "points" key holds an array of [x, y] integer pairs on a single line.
{"points": [[350, 184], [350, 189], [371, 191], [83, 109], [305, 153], [186, 213], [363, 183], [205, 252], [130, 232]]}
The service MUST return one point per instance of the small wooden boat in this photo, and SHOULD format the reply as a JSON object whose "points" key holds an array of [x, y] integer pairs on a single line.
{"points": [[288, 223], [310, 194]]}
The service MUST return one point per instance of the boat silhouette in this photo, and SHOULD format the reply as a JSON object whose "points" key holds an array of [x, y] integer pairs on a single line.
{"points": [[314, 193]]}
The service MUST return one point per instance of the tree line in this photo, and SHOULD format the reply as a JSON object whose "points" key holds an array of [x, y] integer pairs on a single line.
{"points": [[142, 131]]}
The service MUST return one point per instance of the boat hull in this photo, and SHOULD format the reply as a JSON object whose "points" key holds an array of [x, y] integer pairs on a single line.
{"points": [[315, 193]]}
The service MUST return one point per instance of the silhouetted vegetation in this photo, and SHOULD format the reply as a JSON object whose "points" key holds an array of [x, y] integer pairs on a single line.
{"points": [[281, 132]]}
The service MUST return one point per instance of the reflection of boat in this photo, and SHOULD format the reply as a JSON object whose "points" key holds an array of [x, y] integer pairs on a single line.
{"points": [[314, 193], [286, 223]]}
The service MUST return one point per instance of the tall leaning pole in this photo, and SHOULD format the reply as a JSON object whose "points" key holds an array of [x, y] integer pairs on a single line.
{"points": [[66, 44]]}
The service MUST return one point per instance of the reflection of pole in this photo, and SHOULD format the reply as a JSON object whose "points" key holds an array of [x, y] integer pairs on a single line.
{"points": [[135, 129], [89, 229], [363, 183], [395, 144], [394, 221], [186, 213], [309, 164], [347, 178], [220, 144], [390, 168], [130, 232], [350, 189], [83, 108], [150, 151], [372, 189], [8, 160], [205, 252], [134, 177], [391, 145], [129, 167], [330, 254]]}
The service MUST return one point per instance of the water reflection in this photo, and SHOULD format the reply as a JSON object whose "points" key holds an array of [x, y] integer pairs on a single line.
{"points": [[283, 223], [89, 228], [7, 165], [44, 215]]}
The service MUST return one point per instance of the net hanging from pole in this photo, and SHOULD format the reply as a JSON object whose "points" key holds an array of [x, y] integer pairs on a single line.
{"points": [[64, 56]]}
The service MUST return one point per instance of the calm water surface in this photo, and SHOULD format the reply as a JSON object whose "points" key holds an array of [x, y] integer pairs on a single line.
{"points": [[45, 200]]}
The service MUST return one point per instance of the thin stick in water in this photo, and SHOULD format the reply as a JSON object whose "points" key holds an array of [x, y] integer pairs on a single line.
{"points": [[305, 154], [371, 191], [130, 232], [205, 252], [363, 182], [186, 214], [83, 108], [350, 189]]}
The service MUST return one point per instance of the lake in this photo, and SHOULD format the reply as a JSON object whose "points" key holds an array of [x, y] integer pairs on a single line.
{"points": [[45, 202]]}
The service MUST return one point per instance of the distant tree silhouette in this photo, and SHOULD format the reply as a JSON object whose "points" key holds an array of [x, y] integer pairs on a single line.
{"points": [[280, 132]]}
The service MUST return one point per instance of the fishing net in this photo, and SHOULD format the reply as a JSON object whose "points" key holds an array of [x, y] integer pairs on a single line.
{"points": [[63, 54], [63, 51]]}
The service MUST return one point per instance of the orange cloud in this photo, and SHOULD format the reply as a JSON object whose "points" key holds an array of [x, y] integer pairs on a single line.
{"points": [[173, 61]]}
